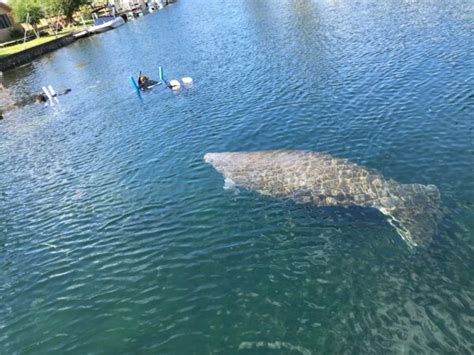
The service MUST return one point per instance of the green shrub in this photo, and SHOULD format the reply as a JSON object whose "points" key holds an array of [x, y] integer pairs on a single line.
{"points": [[25, 10], [16, 33]]}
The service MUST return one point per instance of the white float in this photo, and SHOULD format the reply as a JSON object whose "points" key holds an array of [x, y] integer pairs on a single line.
{"points": [[187, 80], [175, 85], [51, 90], [48, 94]]}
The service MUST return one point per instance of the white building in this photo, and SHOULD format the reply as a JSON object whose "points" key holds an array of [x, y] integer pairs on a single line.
{"points": [[7, 24], [129, 5]]}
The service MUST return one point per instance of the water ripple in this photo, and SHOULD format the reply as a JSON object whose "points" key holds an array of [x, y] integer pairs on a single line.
{"points": [[116, 237]]}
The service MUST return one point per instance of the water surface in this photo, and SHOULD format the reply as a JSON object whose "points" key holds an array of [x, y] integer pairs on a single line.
{"points": [[116, 237]]}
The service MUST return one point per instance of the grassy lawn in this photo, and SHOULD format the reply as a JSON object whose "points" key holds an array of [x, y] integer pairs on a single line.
{"points": [[19, 47], [5, 51]]}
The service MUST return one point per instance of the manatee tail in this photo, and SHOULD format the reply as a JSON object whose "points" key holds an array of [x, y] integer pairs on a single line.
{"points": [[414, 212]]}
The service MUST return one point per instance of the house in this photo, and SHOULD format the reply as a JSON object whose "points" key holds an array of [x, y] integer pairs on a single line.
{"points": [[7, 23], [129, 5]]}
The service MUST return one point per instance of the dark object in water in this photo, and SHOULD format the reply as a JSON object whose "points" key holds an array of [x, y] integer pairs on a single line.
{"points": [[67, 91], [41, 98], [323, 180], [144, 83], [148, 84]]}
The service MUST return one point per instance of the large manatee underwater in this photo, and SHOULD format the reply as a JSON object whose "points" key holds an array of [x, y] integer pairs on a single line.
{"points": [[323, 180]]}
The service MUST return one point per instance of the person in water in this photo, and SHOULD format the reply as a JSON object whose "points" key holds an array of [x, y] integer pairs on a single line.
{"points": [[42, 98], [141, 80], [144, 83]]}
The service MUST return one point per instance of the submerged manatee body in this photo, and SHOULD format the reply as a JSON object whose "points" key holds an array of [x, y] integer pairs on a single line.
{"points": [[323, 180]]}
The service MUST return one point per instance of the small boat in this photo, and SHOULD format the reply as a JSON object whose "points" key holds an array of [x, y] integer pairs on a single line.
{"points": [[118, 21], [103, 24], [81, 34]]}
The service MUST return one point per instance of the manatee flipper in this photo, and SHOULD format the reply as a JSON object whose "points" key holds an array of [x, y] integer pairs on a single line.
{"points": [[413, 211]]}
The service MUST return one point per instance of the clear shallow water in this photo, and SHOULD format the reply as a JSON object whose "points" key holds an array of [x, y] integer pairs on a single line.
{"points": [[116, 237]]}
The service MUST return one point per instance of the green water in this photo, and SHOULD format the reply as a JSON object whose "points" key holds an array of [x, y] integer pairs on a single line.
{"points": [[116, 237]]}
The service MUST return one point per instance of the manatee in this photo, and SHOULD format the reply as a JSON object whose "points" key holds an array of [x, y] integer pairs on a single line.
{"points": [[324, 180]]}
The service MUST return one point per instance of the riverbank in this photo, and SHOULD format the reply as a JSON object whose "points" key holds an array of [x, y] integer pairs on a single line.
{"points": [[13, 57], [16, 48], [117, 237], [7, 49], [29, 54]]}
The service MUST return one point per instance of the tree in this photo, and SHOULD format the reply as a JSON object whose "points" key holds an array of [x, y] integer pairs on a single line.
{"points": [[28, 11], [64, 7]]}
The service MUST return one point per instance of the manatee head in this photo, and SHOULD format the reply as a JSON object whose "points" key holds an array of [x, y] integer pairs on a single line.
{"points": [[230, 164]]}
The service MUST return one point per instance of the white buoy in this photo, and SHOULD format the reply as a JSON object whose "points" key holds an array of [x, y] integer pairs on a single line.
{"points": [[53, 93], [175, 85], [187, 80], [48, 94], [51, 90]]}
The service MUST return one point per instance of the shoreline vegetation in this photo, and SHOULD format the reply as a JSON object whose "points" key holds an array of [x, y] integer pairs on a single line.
{"points": [[29, 54], [19, 47], [15, 55]]}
